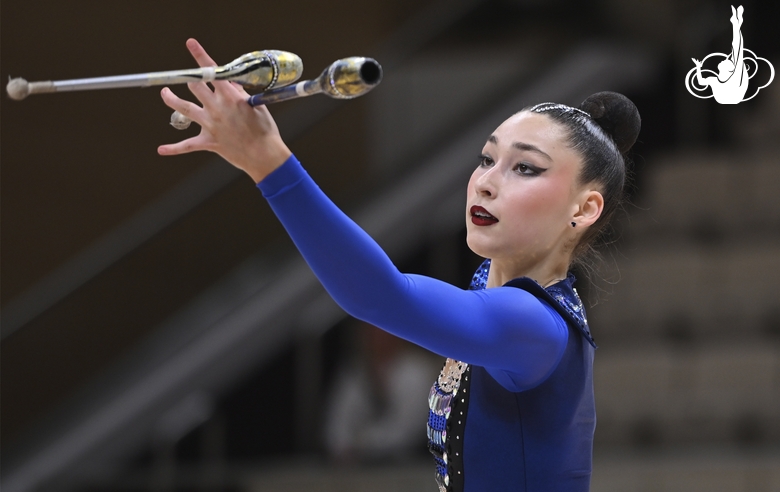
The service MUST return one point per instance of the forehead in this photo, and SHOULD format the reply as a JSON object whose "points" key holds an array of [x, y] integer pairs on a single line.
{"points": [[532, 128]]}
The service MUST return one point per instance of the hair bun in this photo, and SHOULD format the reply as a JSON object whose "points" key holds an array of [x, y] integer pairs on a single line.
{"points": [[617, 115]]}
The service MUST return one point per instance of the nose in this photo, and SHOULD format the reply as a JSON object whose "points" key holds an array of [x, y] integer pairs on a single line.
{"points": [[485, 184]]}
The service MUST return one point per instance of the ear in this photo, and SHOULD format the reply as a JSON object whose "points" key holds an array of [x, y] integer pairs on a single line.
{"points": [[590, 206]]}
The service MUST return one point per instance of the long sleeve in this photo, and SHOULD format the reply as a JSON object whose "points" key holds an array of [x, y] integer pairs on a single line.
{"points": [[503, 329]]}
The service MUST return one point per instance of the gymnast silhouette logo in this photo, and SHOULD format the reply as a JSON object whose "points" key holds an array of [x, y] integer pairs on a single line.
{"points": [[735, 70]]}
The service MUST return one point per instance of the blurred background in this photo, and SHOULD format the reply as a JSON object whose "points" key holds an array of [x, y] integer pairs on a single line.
{"points": [[160, 333]]}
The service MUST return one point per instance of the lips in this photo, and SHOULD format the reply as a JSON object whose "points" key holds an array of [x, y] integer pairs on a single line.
{"points": [[481, 217]]}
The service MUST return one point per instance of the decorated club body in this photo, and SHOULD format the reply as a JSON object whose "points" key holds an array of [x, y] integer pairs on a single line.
{"points": [[343, 79]]}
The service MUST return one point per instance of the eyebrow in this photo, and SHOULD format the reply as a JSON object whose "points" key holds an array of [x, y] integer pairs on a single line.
{"points": [[523, 146]]}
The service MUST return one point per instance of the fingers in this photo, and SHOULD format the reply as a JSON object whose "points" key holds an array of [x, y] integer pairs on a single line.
{"points": [[192, 144], [240, 88], [210, 99], [203, 59], [201, 91], [188, 109], [200, 55]]}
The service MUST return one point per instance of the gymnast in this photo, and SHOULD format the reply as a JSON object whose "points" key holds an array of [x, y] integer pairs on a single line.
{"points": [[513, 407], [731, 84]]}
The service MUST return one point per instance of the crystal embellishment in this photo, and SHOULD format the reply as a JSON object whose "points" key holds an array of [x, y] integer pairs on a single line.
{"points": [[440, 401]]}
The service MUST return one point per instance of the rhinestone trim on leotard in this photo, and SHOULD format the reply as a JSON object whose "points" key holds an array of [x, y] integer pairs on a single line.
{"points": [[448, 398]]}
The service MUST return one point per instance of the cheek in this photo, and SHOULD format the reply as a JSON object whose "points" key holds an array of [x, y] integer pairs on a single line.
{"points": [[544, 206], [535, 201]]}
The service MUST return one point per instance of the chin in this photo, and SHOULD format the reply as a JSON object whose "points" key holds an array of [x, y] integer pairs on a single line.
{"points": [[477, 247], [470, 243]]}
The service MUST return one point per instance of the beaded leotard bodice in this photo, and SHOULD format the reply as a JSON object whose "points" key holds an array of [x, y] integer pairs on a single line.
{"points": [[448, 398]]}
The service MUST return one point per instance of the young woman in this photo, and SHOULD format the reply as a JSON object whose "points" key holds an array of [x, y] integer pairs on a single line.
{"points": [[513, 406]]}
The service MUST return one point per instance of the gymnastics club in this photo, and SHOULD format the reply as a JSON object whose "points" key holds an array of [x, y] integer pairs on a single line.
{"points": [[257, 70], [343, 79]]}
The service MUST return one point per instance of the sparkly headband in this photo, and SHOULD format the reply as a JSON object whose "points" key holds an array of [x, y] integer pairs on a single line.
{"points": [[541, 108]]}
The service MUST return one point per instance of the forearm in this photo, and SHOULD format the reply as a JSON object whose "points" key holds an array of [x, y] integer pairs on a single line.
{"points": [[339, 252]]}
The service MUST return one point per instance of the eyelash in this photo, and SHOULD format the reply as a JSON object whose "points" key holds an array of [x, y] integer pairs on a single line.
{"points": [[485, 161], [521, 168]]}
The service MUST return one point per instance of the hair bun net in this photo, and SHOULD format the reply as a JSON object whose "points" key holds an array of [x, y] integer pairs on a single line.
{"points": [[617, 115]]}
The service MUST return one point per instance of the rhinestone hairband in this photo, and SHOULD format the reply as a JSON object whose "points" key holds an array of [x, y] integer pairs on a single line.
{"points": [[541, 108]]}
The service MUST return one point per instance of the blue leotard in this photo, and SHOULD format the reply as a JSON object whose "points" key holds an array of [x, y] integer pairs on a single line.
{"points": [[531, 415]]}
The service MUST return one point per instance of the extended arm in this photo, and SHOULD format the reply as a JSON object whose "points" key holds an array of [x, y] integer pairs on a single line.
{"points": [[502, 328], [505, 329]]}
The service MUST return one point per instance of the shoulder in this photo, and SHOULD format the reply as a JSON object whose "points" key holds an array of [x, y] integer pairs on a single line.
{"points": [[563, 298]]}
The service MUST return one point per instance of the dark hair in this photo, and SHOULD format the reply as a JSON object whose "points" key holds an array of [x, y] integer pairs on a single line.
{"points": [[602, 131]]}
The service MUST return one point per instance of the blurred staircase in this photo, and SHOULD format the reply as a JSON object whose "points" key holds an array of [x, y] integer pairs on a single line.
{"points": [[688, 374]]}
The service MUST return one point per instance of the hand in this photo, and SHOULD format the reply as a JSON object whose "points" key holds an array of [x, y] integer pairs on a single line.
{"points": [[246, 137]]}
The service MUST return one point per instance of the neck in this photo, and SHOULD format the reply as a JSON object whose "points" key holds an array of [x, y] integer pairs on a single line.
{"points": [[545, 272]]}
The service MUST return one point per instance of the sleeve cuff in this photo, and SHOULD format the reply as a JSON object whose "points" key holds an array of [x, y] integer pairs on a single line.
{"points": [[282, 178]]}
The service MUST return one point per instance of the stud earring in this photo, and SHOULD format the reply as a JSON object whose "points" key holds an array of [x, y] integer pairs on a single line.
{"points": [[574, 224]]}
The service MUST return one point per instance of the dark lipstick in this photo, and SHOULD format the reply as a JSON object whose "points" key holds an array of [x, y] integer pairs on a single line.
{"points": [[481, 217]]}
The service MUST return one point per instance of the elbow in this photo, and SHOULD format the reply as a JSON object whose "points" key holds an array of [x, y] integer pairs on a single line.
{"points": [[367, 305], [534, 364], [375, 301], [547, 362], [353, 306]]}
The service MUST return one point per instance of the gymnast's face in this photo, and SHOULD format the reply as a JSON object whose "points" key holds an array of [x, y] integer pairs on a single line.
{"points": [[524, 193]]}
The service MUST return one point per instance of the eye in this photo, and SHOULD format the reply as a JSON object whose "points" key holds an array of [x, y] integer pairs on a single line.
{"points": [[527, 169], [485, 161]]}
